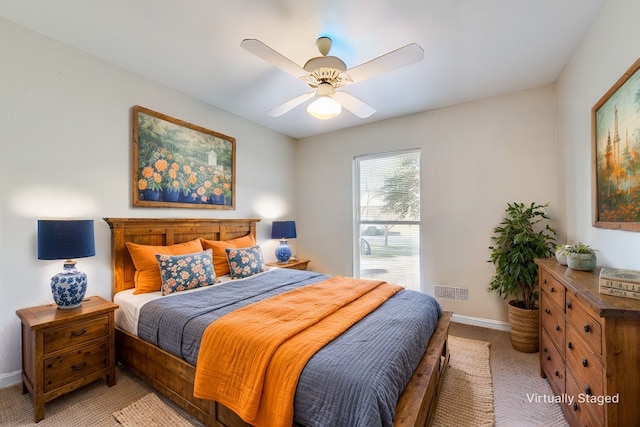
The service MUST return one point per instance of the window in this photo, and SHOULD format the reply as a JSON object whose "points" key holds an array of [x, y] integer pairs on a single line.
{"points": [[387, 217]]}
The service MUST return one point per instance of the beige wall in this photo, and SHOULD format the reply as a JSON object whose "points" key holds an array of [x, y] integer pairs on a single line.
{"points": [[604, 55], [476, 157], [65, 133]]}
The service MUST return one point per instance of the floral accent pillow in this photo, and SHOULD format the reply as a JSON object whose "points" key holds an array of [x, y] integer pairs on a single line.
{"points": [[245, 262], [183, 272]]}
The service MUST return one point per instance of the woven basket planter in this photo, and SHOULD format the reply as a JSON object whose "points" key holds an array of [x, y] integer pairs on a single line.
{"points": [[525, 333]]}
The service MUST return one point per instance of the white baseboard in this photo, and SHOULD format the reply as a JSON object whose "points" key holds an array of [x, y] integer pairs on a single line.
{"points": [[478, 321], [10, 378]]}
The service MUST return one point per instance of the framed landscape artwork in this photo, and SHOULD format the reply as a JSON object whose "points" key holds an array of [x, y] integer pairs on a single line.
{"points": [[178, 164], [615, 123]]}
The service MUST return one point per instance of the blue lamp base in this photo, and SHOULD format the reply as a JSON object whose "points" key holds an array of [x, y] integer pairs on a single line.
{"points": [[283, 252], [69, 286]]}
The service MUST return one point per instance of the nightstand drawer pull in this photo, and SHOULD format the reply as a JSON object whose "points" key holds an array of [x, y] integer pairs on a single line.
{"points": [[79, 367], [79, 333]]}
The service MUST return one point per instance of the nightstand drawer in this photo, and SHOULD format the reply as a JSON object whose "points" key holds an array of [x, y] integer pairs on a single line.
{"points": [[76, 333], [68, 367]]}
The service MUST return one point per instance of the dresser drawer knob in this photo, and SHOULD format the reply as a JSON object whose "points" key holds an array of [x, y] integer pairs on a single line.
{"points": [[570, 345], [587, 390], [569, 305], [552, 289], [587, 328], [79, 333], [557, 327], [548, 357], [79, 367], [544, 281], [585, 362], [556, 373], [546, 310], [545, 350], [575, 406]]}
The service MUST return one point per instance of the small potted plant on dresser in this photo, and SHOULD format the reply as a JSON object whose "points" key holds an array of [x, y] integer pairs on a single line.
{"points": [[520, 238], [580, 256]]}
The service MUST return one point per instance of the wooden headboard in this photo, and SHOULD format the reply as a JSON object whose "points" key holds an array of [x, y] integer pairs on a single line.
{"points": [[165, 231]]}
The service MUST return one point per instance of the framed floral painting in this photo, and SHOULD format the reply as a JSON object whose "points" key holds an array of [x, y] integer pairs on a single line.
{"points": [[615, 123], [179, 164]]}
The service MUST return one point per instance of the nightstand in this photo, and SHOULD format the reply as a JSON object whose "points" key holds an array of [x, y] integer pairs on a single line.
{"points": [[294, 265], [63, 350]]}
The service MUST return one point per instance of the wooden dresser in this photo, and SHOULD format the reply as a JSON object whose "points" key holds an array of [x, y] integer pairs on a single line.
{"points": [[63, 350], [589, 347]]}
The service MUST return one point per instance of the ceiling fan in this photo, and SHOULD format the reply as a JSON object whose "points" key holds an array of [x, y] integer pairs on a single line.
{"points": [[326, 73]]}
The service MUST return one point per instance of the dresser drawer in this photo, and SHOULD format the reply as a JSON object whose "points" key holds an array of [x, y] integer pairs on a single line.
{"points": [[583, 364], [587, 326], [75, 333], [580, 409], [552, 363], [68, 367], [552, 320], [552, 287]]}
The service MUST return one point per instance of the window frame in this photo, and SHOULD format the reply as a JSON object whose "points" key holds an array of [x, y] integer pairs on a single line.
{"points": [[358, 222]]}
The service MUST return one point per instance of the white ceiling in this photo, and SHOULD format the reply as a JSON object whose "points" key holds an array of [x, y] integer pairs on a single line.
{"points": [[472, 48]]}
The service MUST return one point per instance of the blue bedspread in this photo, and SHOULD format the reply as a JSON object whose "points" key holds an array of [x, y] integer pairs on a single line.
{"points": [[355, 380]]}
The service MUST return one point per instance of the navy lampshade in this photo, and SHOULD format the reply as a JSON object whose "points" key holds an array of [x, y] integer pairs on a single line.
{"points": [[65, 239], [283, 230]]}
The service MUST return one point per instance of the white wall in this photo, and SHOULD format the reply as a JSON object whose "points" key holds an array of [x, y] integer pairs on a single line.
{"points": [[476, 158], [65, 133], [604, 55]]}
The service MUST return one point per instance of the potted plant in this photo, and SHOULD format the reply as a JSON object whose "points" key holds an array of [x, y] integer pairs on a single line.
{"points": [[580, 257], [561, 254], [517, 242]]}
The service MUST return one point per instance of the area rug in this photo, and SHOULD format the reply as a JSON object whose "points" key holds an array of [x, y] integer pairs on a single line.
{"points": [[466, 398], [150, 411]]}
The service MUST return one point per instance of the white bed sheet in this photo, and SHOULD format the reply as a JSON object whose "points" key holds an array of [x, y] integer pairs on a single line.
{"points": [[130, 304]]}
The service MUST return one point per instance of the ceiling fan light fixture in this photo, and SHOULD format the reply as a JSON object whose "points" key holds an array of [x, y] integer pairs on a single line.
{"points": [[324, 108]]}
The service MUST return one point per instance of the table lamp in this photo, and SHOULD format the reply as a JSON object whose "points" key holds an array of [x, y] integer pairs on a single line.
{"points": [[283, 230], [67, 239]]}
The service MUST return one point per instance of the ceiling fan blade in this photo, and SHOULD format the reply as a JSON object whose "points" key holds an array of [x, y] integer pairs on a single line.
{"points": [[263, 51], [289, 105], [398, 58], [354, 105]]}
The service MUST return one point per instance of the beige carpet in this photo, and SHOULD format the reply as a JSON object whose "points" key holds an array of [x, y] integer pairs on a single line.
{"points": [[150, 411], [466, 397]]}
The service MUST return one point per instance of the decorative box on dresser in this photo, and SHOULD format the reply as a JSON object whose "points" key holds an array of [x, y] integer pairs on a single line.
{"points": [[589, 347], [63, 350]]}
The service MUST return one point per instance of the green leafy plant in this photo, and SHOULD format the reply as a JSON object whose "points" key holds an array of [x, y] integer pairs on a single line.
{"points": [[517, 241], [578, 248]]}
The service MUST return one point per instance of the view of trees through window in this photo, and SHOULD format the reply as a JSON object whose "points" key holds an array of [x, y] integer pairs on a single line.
{"points": [[387, 212]]}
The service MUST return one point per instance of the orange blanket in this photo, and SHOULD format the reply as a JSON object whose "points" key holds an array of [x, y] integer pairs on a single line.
{"points": [[250, 359]]}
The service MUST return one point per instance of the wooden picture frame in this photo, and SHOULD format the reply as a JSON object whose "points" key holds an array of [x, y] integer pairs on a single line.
{"points": [[615, 134], [181, 165]]}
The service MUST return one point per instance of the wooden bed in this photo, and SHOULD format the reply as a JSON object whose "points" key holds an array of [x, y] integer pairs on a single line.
{"points": [[174, 377]]}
